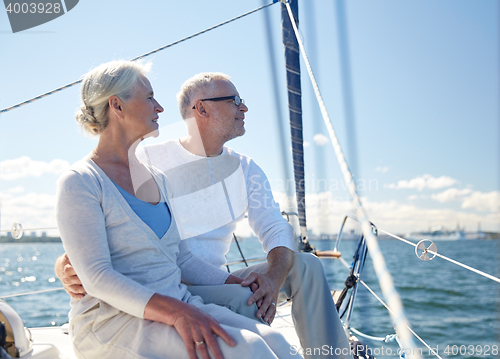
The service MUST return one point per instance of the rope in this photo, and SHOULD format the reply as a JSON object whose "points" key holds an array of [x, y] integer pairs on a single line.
{"points": [[346, 265], [390, 311], [21, 294], [7, 109], [388, 338], [489, 276], [204, 31], [385, 279]]}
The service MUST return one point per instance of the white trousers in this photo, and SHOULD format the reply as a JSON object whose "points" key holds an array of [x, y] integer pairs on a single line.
{"points": [[104, 332]]}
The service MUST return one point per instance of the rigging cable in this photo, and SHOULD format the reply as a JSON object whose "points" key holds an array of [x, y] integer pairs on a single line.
{"points": [[385, 279], [349, 115], [489, 276], [7, 109], [345, 74], [278, 108], [319, 181], [390, 311], [239, 248], [39, 291], [342, 260]]}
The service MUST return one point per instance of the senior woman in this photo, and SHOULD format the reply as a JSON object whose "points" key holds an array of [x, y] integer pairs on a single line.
{"points": [[118, 231]]}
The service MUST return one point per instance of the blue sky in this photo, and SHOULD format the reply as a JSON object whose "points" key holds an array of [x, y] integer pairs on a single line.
{"points": [[425, 87]]}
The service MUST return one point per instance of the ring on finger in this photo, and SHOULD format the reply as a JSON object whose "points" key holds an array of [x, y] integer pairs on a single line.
{"points": [[199, 343], [272, 303]]}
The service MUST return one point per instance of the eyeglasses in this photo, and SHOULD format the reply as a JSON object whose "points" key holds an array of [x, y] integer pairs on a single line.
{"points": [[237, 100]]}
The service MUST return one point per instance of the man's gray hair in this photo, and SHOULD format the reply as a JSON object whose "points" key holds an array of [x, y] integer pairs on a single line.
{"points": [[200, 84]]}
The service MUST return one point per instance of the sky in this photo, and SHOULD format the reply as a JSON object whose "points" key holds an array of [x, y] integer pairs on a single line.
{"points": [[425, 94]]}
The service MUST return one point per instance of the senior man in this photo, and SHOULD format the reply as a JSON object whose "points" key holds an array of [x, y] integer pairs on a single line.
{"points": [[211, 189]]}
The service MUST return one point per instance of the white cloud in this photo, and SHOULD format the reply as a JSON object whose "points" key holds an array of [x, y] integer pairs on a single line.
{"points": [[320, 139], [398, 217], [306, 144], [320, 209], [26, 167], [17, 189], [32, 210], [480, 201], [424, 181], [451, 194], [325, 213], [382, 169], [413, 197]]}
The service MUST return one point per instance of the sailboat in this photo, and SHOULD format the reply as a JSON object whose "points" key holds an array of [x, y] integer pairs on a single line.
{"points": [[61, 342]]}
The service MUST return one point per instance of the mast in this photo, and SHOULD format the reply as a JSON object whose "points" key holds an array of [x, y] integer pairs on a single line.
{"points": [[292, 64]]}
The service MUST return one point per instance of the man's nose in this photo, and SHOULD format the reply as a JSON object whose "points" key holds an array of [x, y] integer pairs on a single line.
{"points": [[243, 107]]}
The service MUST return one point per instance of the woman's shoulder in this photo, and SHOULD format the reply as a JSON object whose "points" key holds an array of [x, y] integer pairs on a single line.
{"points": [[82, 173]]}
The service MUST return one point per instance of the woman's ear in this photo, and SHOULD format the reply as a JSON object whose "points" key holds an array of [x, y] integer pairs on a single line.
{"points": [[116, 106]]}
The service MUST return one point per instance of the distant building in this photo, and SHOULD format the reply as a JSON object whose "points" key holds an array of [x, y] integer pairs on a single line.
{"points": [[327, 237]]}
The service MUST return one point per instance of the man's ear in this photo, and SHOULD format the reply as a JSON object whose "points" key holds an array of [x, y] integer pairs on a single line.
{"points": [[116, 106], [200, 109]]}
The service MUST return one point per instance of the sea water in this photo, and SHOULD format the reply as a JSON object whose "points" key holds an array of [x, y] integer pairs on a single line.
{"points": [[455, 311]]}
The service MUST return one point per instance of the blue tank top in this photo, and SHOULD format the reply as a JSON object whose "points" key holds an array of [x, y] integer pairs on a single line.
{"points": [[157, 217]]}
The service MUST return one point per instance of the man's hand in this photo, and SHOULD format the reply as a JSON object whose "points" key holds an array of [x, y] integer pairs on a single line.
{"points": [[232, 279], [67, 275], [265, 296], [280, 260]]}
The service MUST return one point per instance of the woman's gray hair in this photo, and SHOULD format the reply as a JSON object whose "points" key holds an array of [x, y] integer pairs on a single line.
{"points": [[115, 78], [198, 84]]}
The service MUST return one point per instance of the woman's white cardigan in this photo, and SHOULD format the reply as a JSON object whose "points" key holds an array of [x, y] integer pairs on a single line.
{"points": [[118, 257]]}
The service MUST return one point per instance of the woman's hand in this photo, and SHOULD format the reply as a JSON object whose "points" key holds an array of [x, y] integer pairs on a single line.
{"points": [[196, 328], [67, 275]]}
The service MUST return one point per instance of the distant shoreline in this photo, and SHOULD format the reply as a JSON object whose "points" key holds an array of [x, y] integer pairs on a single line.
{"points": [[29, 239], [489, 236], [32, 239]]}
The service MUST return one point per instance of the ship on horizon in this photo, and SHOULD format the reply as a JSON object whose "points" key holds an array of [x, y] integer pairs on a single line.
{"points": [[438, 233]]}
